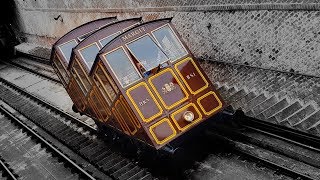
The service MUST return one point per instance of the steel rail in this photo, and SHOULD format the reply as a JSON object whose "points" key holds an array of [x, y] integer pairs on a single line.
{"points": [[7, 170], [34, 57], [55, 150], [33, 71], [108, 155], [265, 162], [49, 105], [287, 134]]}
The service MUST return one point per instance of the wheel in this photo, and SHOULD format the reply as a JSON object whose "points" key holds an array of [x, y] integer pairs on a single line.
{"points": [[75, 109]]}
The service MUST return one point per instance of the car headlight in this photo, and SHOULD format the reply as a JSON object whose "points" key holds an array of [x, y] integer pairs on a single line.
{"points": [[188, 116]]}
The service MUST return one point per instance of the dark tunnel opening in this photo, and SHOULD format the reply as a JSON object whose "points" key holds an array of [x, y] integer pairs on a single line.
{"points": [[9, 28]]}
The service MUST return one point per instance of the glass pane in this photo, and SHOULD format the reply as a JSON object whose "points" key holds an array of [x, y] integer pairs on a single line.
{"points": [[99, 106], [106, 84], [61, 69], [106, 40], [99, 86], [83, 77], [89, 54], [169, 42], [122, 67], [66, 49], [147, 53], [78, 81]]}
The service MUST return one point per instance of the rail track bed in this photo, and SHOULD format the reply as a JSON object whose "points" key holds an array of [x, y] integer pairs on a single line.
{"points": [[32, 157], [251, 151], [39, 67], [6, 172], [286, 151], [76, 135]]}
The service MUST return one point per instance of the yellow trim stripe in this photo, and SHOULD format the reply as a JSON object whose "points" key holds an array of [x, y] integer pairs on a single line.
{"points": [[136, 106], [185, 81], [179, 83], [174, 133], [190, 124], [213, 110]]}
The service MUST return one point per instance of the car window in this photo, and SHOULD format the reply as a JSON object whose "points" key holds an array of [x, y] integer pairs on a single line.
{"points": [[147, 52], [66, 49], [169, 42], [122, 67], [89, 54]]}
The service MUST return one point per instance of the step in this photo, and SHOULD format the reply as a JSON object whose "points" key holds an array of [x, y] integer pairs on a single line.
{"points": [[301, 114], [239, 94], [242, 103], [275, 108], [255, 101], [276, 85], [224, 91], [315, 130], [264, 105], [309, 121], [288, 111], [230, 92]]}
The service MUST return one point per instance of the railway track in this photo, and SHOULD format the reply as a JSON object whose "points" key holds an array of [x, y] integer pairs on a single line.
{"points": [[6, 172], [35, 58], [73, 133], [242, 141], [35, 71], [284, 150], [22, 146]]}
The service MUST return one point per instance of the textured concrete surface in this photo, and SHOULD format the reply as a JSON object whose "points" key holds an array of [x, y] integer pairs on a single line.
{"points": [[230, 166], [35, 66], [34, 49], [47, 90], [26, 157], [259, 33], [283, 98]]}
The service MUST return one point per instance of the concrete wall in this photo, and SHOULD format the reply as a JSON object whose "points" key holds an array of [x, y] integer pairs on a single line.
{"points": [[246, 32]]}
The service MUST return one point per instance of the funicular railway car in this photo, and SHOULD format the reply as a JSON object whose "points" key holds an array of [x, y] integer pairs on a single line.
{"points": [[81, 61], [152, 87], [61, 50]]}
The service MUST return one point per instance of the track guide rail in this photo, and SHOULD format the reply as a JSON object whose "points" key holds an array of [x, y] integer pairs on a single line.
{"points": [[79, 169]]}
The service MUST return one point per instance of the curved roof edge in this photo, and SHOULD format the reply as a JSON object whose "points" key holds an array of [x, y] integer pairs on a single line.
{"points": [[113, 17], [106, 26]]}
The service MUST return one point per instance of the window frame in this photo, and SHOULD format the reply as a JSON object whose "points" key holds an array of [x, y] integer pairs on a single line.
{"points": [[176, 36], [152, 38], [74, 70], [113, 84], [79, 51], [99, 81], [77, 79], [59, 47], [130, 60], [58, 59]]}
